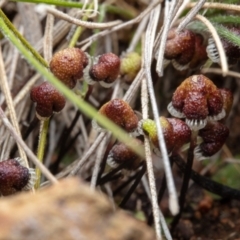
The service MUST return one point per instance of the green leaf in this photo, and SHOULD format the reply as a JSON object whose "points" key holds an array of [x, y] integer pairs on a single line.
{"points": [[228, 175]]}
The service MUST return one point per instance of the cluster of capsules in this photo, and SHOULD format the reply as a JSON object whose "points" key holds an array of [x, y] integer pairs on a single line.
{"points": [[69, 66], [197, 106], [72, 65], [186, 49]]}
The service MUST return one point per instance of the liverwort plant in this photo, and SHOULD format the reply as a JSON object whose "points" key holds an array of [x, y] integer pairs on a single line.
{"points": [[14, 177]]}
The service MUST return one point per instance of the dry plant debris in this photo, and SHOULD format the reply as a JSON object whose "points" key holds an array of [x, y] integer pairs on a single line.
{"points": [[183, 55]]}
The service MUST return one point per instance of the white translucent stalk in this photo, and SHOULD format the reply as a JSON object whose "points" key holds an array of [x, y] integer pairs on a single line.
{"points": [[148, 46]]}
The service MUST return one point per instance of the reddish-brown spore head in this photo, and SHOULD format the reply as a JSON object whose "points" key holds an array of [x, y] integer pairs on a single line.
{"points": [[107, 69], [121, 114], [13, 177], [68, 64], [200, 53], [197, 97], [180, 46], [214, 136], [48, 99], [181, 133], [121, 154]]}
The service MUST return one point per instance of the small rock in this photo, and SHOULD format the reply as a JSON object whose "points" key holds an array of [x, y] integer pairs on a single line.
{"points": [[70, 211]]}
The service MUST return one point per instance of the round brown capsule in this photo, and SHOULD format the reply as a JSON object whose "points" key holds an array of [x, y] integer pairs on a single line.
{"points": [[121, 114], [14, 177], [48, 100], [106, 69], [214, 136], [68, 65], [121, 154]]}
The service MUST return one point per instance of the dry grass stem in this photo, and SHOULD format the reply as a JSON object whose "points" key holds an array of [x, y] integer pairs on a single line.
{"points": [[168, 11], [164, 225], [191, 14], [28, 151], [83, 160], [148, 156], [123, 25], [220, 72], [9, 101], [150, 35], [223, 6], [138, 34], [99, 157], [48, 38], [212, 30], [23, 92], [81, 23]]}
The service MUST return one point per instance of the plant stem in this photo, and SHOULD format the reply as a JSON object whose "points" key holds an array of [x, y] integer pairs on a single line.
{"points": [[41, 148], [79, 30], [102, 11], [186, 178], [80, 103], [109, 8]]}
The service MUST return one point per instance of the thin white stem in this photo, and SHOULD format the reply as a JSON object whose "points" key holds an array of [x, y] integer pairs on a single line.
{"points": [[148, 154], [138, 34], [148, 46], [82, 161], [81, 23], [23, 92], [180, 9], [100, 154], [116, 89], [191, 14], [223, 6], [220, 72], [9, 101], [212, 30], [28, 151], [131, 92], [162, 219], [168, 11], [121, 26], [153, 191]]}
